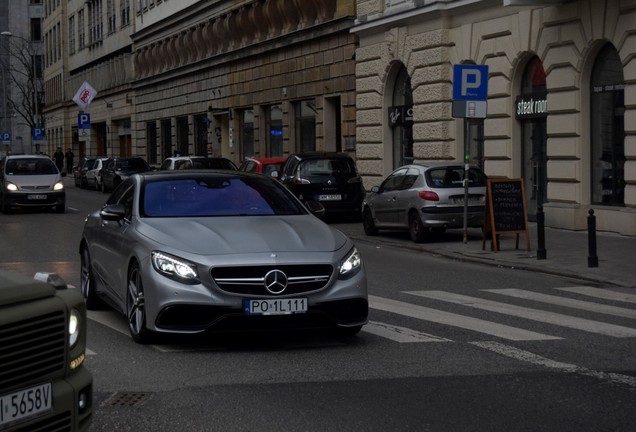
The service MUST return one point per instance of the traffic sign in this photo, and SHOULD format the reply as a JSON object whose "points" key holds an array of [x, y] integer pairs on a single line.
{"points": [[470, 82], [38, 134], [6, 136], [83, 120]]}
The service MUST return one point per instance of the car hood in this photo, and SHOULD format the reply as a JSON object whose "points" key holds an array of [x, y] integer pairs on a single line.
{"points": [[243, 234], [15, 289]]}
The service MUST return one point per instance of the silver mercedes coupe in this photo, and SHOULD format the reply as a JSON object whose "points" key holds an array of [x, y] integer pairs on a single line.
{"points": [[196, 251]]}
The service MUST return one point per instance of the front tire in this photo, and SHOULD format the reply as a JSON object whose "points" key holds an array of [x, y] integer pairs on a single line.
{"points": [[419, 233], [136, 306], [87, 282], [367, 223]]}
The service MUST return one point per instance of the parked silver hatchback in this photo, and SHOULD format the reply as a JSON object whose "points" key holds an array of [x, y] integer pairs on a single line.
{"points": [[425, 198]]}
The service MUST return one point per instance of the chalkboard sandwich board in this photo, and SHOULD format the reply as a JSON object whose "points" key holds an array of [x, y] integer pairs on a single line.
{"points": [[506, 211]]}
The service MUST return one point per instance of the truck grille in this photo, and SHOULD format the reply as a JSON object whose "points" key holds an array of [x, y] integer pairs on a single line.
{"points": [[251, 280], [32, 350]]}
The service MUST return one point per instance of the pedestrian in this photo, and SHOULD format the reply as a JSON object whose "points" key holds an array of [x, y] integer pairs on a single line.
{"points": [[69, 161], [58, 156]]}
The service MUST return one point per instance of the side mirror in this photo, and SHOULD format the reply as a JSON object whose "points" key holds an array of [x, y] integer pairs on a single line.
{"points": [[315, 208], [274, 174], [375, 189], [113, 212]]}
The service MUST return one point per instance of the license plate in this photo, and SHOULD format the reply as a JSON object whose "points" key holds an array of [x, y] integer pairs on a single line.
{"points": [[24, 404], [36, 197], [471, 200], [335, 197], [276, 306]]}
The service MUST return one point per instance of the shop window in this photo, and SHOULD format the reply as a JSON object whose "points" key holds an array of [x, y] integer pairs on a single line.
{"points": [[275, 130], [608, 129], [246, 119]]}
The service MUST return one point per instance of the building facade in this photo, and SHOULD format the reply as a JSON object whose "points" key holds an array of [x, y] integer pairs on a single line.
{"points": [[244, 78], [561, 105], [88, 41]]}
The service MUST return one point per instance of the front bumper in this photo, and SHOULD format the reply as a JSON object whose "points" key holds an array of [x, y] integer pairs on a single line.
{"points": [[34, 199]]}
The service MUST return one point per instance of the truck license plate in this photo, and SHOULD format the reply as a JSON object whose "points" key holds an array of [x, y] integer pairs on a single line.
{"points": [[25, 404], [276, 306]]}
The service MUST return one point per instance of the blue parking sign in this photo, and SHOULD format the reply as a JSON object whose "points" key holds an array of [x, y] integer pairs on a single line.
{"points": [[38, 134], [470, 82], [6, 136]]}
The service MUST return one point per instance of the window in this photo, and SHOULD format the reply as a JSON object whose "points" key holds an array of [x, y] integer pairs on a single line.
{"points": [[125, 13], [95, 26], [166, 138], [247, 132], [111, 13], [151, 142], [36, 29], [306, 126], [81, 37], [608, 129], [71, 35], [200, 134], [275, 130]]}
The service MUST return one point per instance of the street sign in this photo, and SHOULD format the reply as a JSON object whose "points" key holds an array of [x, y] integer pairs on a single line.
{"points": [[84, 134], [470, 91], [83, 120], [470, 82], [38, 134], [6, 137]]}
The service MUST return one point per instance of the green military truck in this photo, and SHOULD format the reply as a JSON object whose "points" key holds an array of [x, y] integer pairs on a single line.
{"points": [[44, 385]]}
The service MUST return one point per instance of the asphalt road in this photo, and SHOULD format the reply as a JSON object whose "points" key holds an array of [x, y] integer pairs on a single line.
{"points": [[450, 346]]}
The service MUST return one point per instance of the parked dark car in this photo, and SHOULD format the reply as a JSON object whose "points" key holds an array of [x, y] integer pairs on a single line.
{"points": [[80, 170], [330, 178], [118, 169], [425, 198]]}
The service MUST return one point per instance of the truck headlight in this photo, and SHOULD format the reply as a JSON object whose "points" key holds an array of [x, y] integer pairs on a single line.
{"points": [[74, 327]]}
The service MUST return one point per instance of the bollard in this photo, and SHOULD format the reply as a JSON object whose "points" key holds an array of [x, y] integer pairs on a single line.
{"points": [[592, 259], [541, 252]]}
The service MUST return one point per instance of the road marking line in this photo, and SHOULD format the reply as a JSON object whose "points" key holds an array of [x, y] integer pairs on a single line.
{"points": [[90, 352], [454, 320], [567, 302], [531, 314], [400, 334], [601, 293], [538, 360]]}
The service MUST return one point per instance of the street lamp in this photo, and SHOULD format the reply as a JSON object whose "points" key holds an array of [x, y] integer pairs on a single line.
{"points": [[5, 66], [34, 81]]}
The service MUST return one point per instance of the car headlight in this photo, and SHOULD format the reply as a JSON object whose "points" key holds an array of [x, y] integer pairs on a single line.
{"points": [[74, 326], [351, 265], [58, 186], [11, 187], [175, 268]]}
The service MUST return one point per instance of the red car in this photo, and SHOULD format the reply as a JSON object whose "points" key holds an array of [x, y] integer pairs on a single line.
{"points": [[268, 166]]}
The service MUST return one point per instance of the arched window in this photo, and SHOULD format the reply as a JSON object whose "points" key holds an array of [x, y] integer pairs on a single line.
{"points": [[403, 126], [608, 128]]}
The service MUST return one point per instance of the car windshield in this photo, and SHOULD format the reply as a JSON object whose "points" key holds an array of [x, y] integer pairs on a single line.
{"points": [[30, 166], [132, 164], [325, 167], [216, 196], [452, 177]]}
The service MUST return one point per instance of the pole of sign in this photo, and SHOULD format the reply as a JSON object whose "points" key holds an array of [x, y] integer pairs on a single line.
{"points": [[466, 168]]}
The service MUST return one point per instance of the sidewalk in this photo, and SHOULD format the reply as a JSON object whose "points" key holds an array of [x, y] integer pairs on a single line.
{"points": [[566, 251]]}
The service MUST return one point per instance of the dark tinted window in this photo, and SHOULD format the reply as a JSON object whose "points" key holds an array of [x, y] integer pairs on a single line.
{"points": [[212, 163], [216, 196], [452, 177], [30, 166], [326, 167]]}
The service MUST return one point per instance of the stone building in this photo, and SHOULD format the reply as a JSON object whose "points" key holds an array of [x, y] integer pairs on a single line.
{"points": [[244, 78], [561, 100]]}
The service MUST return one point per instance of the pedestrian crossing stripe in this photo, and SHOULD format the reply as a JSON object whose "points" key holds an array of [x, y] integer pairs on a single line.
{"points": [[531, 314], [455, 320], [601, 293], [400, 334], [567, 302]]}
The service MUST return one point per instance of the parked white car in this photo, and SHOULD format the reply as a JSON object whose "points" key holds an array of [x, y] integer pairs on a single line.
{"points": [[93, 177]]}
